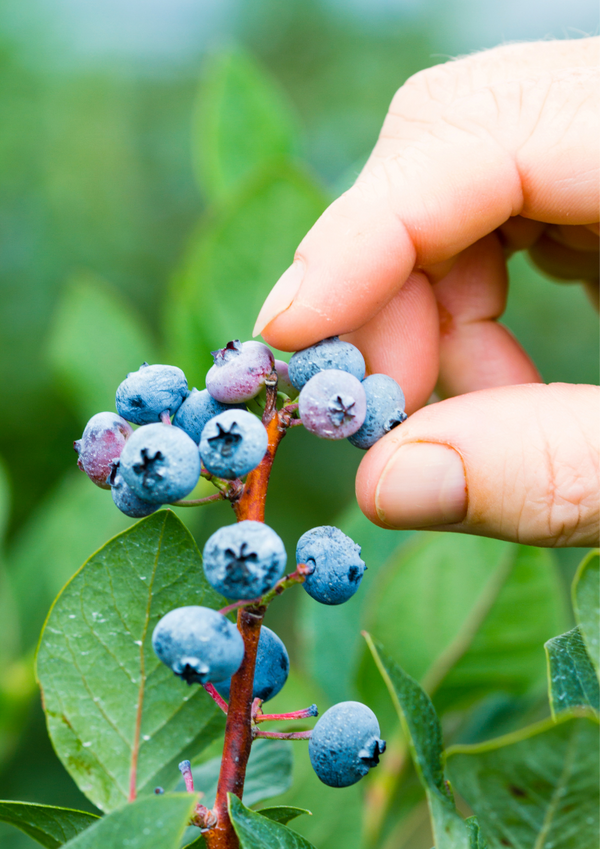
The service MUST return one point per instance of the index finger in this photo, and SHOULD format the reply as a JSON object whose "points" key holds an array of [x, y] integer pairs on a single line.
{"points": [[518, 147]]}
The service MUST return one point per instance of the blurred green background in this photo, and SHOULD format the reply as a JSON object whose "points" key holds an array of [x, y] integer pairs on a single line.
{"points": [[159, 162]]}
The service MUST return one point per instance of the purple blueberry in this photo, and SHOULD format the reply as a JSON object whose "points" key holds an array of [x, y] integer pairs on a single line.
{"points": [[160, 463], [385, 410], [328, 354], [284, 384], [332, 404], [197, 410], [271, 671], [150, 391], [345, 744], [233, 443], [198, 644], [334, 558], [244, 560], [102, 442], [239, 371], [126, 500]]}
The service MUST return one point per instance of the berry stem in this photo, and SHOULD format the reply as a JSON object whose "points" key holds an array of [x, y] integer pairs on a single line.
{"points": [[165, 417], [297, 714], [216, 697], [198, 502], [235, 605], [282, 735], [185, 769]]}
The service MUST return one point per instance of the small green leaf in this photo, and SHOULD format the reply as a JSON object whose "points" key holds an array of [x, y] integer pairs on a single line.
{"points": [[424, 733], [154, 823], [48, 825], [232, 263], [477, 839], [535, 788], [283, 813], [572, 680], [243, 121], [96, 338], [258, 832], [118, 718], [586, 603]]}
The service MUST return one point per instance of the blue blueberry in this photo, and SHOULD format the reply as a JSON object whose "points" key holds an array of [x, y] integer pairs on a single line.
{"points": [[330, 353], [126, 500], [240, 371], [244, 560], [197, 410], [271, 671], [345, 744], [198, 644], [385, 410], [337, 568], [233, 443], [160, 463], [102, 442], [150, 391], [332, 404]]}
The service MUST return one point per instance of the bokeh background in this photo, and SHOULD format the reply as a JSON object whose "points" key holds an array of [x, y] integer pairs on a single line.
{"points": [[137, 225]]}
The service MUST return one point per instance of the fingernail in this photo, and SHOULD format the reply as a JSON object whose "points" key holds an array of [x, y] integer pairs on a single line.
{"points": [[422, 485], [280, 296]]}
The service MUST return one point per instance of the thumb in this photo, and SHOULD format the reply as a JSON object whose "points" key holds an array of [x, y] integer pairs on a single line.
{"points": [[518, 463]]}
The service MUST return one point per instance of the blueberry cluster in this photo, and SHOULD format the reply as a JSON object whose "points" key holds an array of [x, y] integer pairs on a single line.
{"points": [[161, 461], [182, 434]]}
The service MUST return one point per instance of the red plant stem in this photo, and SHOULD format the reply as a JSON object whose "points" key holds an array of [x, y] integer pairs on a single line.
{"points": [[216, 697], [283, 735], [238, 735], [297, 714], [238, 729]]}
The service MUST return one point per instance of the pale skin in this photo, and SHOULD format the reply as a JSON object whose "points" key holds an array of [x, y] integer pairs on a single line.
{"points": [[477, 158]]}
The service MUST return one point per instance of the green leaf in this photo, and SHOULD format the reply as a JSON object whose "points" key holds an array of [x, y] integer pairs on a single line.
{"points": [[118, 718], [572, 680], [283, 813], [586, 603], [96, 338], [424, 733], [481, 609], [48, 825], [258, 832], [232, 263], [535, 788], [243, 121], [154, 823]]}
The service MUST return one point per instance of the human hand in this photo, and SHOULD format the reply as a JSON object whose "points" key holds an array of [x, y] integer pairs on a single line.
{"points": [[477, 158]]}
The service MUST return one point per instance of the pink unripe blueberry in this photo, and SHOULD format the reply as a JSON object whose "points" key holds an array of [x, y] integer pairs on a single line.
{"points": [[102, 442], [239, 372], [332, 404], [284, 384]]}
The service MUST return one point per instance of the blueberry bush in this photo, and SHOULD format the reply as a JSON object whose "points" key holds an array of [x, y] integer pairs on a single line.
{"points": [[153, 663]]}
